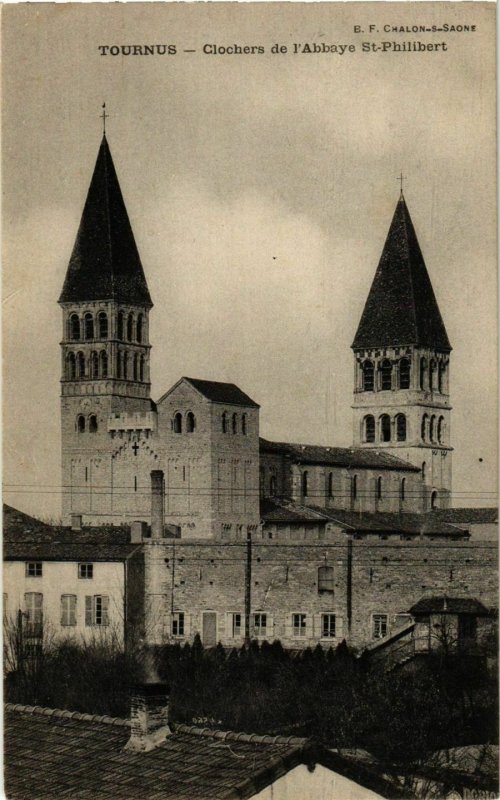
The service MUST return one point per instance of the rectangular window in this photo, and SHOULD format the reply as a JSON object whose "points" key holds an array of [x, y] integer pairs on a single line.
{"points": [[85, 570], [96, 610], [33, 569], [260, 624], [178, 624], [236, 625], [325, 579], [379, 626], [299, 624], [68, 609], [33, 606], [328, 626]]}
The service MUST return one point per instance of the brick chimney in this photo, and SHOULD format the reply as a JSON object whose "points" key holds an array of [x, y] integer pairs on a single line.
{"points": [[157, 504], [148, 716]]}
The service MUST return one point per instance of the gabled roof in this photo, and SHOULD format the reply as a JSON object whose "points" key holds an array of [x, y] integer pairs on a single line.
{"points": [[52, 754], [25, 537], [105, 263], [225, 393], [348, 457], [401, 308], [448, 605]]}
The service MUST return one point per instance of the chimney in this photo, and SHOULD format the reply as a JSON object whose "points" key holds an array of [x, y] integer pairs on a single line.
{"points": [[76, 522], [138, 531], [148, 716], [157, 504]]}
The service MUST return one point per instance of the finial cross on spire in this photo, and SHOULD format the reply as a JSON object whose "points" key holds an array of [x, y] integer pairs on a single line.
{"points": [[104, 116], [401, 178]]}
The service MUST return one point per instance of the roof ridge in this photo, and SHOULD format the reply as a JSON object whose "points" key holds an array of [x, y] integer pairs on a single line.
{"points": [[65, 714], [239, 736]]}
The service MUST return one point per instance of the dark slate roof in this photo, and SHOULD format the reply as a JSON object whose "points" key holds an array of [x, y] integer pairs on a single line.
{"points": [[448, 605], [227, 393], [401, 308], [467, 516], [25, 537], [105, 263], [348, 457], [406, 523], [54, 754]]}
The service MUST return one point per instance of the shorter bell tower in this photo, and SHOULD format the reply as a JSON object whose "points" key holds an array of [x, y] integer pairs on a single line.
{"points": [[401, 367]]}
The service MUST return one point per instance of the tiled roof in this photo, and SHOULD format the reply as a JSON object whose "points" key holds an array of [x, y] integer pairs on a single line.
{"points": [[411, 524], [105, 263], [448, 605], [26, 537], [349, 457], [468, 516], [222, 392], [401, 308], [54, 754]]}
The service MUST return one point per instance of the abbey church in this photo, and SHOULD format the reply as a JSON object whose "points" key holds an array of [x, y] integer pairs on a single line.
{"points": [[203, 436]]}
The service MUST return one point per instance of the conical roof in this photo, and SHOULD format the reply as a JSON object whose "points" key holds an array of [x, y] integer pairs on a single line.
{"points": [[105, 263], [401, 308]]}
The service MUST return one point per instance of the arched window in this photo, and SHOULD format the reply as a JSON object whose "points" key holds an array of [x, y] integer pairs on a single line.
{"points": [[432, 428], [385, 428], [190, 422], [102, 321], [121, 324], [304, 486], [71, 366], [379, 488], [135, 371], [325, 579], [354, 487], [138, 329], [440, 430], [330, 484], [94, 364], [141, 368], [244, 424], [404, 373], [441, 370], [425, 423], [92, 423], [432, 375], [423, 373], [434, 499], [125, 366], [368, 376], [80, 365], [385, 369], [103, 358], [224, 422], [401, 427], [235, 423], [80, 423], [424, 467], [178, 423], [120, 365], [402, 487], [89, 326], [272, 485], [130, 327], [370, 428], [74, 327]]}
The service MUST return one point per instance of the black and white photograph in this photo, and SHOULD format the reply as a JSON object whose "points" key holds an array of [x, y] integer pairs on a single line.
{"points": [[250, 489]]}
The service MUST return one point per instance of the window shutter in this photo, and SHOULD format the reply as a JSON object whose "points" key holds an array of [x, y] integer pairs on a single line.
{"points": [[168, 624], [63, 610], [317, 626], [88, 610], [105, 609], [270, 628], [38, 608], [339, 627], [187, 626], [221, 627], [229, 626], [308, 631], [289, 627], [72, 609]]}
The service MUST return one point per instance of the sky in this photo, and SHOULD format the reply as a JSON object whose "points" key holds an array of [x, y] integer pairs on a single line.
{"points": [[260, 190]]}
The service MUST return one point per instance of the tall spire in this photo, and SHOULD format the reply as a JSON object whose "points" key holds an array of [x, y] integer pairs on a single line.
{"points": [[105, 263], [401, 308]]}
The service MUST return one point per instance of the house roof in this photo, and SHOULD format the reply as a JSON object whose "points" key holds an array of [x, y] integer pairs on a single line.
{"points": [[348, 457], [53, 754], [401, 308], [217, 392], [468, 516], [25, 537], [105, 263], [373, 522], [448, 605]]}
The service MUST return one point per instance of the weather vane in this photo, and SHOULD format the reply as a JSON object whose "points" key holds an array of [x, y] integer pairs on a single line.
{"points": [[104, 117]]}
